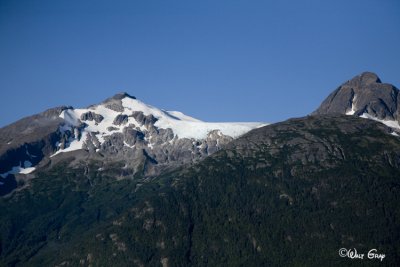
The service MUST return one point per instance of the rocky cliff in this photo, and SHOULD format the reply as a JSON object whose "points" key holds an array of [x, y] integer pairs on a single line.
{"points": [[365, 96]]}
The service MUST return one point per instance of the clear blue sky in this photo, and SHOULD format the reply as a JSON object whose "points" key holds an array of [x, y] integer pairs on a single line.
{"points": [[214, 60]]}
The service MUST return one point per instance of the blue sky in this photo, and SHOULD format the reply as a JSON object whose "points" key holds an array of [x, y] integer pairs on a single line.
{"points": [[213, 60]]}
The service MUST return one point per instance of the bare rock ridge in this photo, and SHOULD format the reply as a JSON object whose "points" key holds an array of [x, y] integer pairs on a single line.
{"points": [[364, 96]]}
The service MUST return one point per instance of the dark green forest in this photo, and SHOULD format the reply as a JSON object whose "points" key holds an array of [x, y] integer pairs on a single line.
{"points": [[289, 194]]}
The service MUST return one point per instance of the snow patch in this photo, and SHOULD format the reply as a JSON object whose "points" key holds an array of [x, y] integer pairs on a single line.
{"points": [[353, 108], [181, 116], [24, 169], [69, 116], [352, 111], [136, 105], [390, 123], [184, 126], [73, 144], [200, 130], [128, 145]]}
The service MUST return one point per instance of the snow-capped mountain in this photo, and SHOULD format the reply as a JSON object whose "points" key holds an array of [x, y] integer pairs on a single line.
{"points": [[143, 138], [98, 123], [367, 97]]}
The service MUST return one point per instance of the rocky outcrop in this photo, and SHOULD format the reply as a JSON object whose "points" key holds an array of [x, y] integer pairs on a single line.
{"points": [[30, 140], [143, 119], [114, 103], [365, 95], [36, 135], [132, 136], [120, 120], [91, 116], [149, 152]]}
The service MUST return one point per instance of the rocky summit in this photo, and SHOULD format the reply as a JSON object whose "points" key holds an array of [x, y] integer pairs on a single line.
{"points": [[365, 96]]}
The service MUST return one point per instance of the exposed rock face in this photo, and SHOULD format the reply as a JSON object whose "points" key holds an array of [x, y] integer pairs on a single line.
{"points": [[90, 116], [114, 103], [32, 140], [364, 95], [132, 136], [111, 128], [144, 120], [150, 151], [35, 136], [120, 120]]}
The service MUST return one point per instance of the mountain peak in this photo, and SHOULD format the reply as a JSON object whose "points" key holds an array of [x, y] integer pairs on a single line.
{"points": [[365, 96], [115, 103], [122, 95], [366, 78]]}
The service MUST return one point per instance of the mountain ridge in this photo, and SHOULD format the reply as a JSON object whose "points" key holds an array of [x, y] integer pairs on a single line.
{"points": [[120, 128], [287, 194]]}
